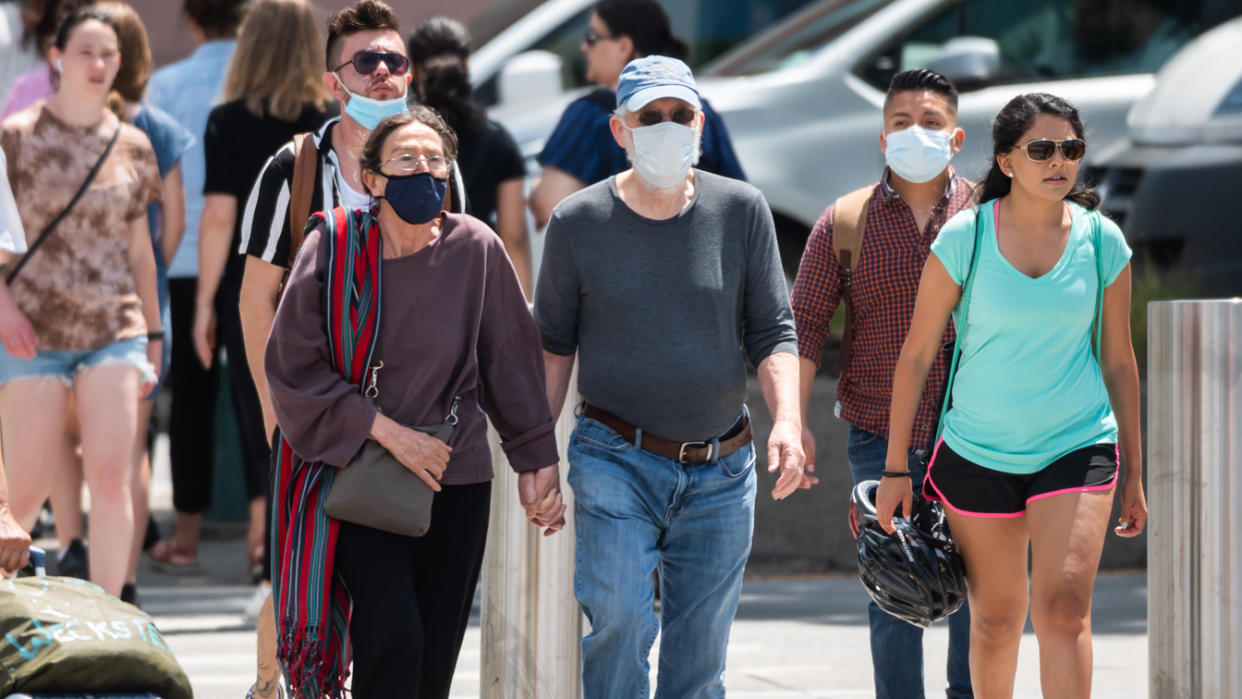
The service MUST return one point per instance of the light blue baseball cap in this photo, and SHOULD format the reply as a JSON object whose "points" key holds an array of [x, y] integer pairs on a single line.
{"points": [[654, 77]]}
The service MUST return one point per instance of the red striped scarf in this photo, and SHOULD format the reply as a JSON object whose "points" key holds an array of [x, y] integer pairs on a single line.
{"points": [[312, 604]]}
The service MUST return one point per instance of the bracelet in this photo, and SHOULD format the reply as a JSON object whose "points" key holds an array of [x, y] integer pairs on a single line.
{"points": [[155, 335], [895, 474]]}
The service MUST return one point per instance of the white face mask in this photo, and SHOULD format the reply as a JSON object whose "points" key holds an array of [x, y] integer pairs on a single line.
{"points": [[664, 153], [917, 154]]}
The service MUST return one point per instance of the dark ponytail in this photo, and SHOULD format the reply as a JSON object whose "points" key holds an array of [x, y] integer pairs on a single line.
{"points": [[439, 46], [1014, 120], [647, 25]]}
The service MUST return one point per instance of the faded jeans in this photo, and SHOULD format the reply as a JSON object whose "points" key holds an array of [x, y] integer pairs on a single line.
{"points": [[896, 644], [634, 511]]}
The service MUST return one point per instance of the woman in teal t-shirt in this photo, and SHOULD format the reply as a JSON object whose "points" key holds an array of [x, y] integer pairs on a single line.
{"points": [[1028, 458]]}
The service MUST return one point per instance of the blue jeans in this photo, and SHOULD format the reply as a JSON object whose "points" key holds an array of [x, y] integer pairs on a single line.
{"points": [[634, 511], [894, 643]]}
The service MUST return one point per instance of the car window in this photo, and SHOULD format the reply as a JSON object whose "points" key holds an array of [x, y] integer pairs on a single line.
{"points": [[797, 38], [1045, 39], [709, 27]]}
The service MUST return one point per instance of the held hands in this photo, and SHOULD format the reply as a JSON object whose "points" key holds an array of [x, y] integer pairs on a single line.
{"points": [[785, 452], [540, 494], [891, 493], [14, 543], [1133, 508]]}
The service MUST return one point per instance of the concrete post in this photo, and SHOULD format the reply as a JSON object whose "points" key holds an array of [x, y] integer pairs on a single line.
{"points": [[531, 622], [1194, 476]]}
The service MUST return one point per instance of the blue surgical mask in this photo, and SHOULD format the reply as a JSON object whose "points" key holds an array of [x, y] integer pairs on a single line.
{"points": [[917, 154], [370, 112], [416, 198]]}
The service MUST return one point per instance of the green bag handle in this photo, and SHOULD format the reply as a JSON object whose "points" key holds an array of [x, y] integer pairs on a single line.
{"points": [[1096, 244]]}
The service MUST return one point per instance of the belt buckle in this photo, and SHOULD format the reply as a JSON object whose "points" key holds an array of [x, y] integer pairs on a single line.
{"points": [[681, 451]]}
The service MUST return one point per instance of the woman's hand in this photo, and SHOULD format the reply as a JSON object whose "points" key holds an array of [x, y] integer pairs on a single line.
{"points": [[891, 493], [16, 333], [540, 494], [1133, 508], [155, 355], [424, 455], [204, 333]]}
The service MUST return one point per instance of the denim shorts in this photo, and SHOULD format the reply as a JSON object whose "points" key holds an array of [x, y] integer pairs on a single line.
{"points": [[67, 364]]}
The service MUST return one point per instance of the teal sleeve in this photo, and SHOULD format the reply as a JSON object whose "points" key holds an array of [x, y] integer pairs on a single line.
{"points": [[952, 246], [1113, 249]]}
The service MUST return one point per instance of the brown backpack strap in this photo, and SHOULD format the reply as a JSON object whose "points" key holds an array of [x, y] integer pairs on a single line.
{"points": [[849, 223], [305, 162]]}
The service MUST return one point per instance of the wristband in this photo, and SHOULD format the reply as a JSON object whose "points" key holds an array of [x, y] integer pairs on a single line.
{"points": [[895, 474], [155, 335]]}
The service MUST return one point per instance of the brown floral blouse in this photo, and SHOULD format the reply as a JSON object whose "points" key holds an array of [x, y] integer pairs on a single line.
{"points": [[78, 290]]}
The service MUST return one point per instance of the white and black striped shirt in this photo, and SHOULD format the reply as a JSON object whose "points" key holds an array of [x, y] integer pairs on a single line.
{"points": [[265, 221]]}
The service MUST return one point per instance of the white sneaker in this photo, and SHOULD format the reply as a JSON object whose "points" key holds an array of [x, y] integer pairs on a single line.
{"points": [[255, 605]]}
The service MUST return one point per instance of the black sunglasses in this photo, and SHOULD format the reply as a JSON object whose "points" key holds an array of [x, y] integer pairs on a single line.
{"points": [[591, 37], [651, 117], [365, 62], [1042, 149]]}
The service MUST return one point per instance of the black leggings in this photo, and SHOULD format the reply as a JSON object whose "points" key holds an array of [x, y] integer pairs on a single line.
{"points": [[412, 597], [191, 421]]}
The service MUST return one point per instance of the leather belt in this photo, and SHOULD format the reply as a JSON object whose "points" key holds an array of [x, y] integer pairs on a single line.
{"points": [[737, 437]]}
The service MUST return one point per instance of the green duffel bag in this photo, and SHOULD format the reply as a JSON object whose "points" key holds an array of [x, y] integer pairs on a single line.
{"points": [[68, 635]]}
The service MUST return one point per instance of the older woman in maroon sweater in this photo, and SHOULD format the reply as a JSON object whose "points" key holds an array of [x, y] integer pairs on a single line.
{"points": [[453, 322]]}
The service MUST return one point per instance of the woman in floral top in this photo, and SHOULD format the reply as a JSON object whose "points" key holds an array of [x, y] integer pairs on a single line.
{"points": [[83, 309]]}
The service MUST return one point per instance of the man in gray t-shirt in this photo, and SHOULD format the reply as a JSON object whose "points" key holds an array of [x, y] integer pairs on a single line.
{"points": [[658, 279]]}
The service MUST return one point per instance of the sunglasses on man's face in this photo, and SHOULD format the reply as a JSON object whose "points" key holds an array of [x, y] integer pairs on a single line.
{"points": [[1042, 149], [651, 117], [366, 62]]}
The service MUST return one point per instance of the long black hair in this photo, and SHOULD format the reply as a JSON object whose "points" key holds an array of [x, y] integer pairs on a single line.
{"points": [[439, 46], [1014, 119], [647, 25]]}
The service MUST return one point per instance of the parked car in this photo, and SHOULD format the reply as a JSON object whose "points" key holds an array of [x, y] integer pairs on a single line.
{"points": [[546, 40], [1172, 182], [802, 101]]}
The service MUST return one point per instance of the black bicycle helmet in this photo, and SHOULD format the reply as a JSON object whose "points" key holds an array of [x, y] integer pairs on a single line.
{"points": [[915, 574]]}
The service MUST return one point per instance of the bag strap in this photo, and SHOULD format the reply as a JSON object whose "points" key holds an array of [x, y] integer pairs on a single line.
{"points": [[967, 287], [305, 163], [1097, 235], [849, 224], [47, 231]]}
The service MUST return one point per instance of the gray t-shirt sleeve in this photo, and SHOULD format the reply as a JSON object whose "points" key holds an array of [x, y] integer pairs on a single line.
{"points": [[557, 293], [768, 324]]}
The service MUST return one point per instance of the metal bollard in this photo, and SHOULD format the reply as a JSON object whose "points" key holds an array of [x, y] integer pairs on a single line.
{"points": [[1194, 549], [531, 624]]}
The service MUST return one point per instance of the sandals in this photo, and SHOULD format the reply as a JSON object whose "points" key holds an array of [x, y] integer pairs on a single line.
{"points": [[165, 552]]}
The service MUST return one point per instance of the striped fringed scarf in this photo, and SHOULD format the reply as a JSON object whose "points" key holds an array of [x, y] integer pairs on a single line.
{"points": [[312, 604]]}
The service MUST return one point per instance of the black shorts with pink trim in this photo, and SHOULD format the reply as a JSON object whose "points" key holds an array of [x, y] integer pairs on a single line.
{"points": [[977, 491]]}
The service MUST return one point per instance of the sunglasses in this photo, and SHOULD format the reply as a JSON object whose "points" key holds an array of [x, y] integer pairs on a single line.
{"points": [[366, 62], [1042, 149], [651, 117], [591, 37]]}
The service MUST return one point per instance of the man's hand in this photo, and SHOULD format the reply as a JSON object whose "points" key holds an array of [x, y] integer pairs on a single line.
{"points": [[540, 494], [808, 448], [14, 543], [785, 452]]}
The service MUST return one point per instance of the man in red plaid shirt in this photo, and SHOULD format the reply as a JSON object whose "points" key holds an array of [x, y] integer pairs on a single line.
{"points": [[916, 194]]}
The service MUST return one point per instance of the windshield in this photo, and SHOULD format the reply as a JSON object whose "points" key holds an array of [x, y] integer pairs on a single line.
{"points": [[797, 39]]}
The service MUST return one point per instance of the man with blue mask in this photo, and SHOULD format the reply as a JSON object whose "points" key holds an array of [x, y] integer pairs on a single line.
{"points": [[900, 216], [655, 279]]}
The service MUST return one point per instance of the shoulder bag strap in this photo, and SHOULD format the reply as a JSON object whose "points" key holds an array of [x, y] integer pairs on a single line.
{"points": [[47, 231], [305, 163], [849, 224], [1097, 242], [967, 288]]}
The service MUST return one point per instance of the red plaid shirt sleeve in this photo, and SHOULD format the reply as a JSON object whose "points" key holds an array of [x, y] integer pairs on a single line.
{"points": [[816, 290]]}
